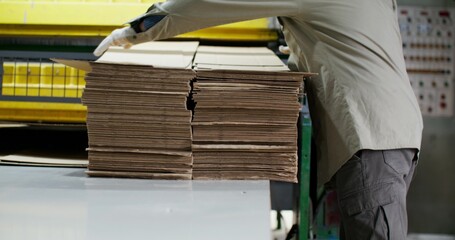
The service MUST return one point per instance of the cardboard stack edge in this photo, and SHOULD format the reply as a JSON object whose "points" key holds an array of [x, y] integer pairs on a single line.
{"points": [[245, 125], [138, 122], [206, 113]]}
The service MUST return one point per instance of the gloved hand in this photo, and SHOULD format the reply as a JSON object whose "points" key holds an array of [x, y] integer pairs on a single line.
{"points": [[118, 37], [284, 49]]}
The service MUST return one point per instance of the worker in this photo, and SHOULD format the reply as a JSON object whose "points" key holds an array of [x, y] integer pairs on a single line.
{"points": [[367, 122]]}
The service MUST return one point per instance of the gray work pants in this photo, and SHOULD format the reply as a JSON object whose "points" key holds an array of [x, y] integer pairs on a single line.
{"points": [[371, 189]]}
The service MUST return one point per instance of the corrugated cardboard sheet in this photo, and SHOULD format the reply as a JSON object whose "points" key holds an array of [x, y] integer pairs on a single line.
{"points": [[151, 116]]}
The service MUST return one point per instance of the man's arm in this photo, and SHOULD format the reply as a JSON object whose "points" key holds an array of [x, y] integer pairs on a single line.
{"points": [[181, 16]]}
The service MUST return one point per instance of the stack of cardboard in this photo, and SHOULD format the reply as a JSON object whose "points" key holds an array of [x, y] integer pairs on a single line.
{"points": [[245, 122], [138, 122]]}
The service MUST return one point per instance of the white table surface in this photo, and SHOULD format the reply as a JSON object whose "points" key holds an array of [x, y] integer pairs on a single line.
{"points": [[63, 203]]}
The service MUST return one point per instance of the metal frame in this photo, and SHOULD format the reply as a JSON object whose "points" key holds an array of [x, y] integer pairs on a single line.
{"points": [[303, 205], [37, 108]]}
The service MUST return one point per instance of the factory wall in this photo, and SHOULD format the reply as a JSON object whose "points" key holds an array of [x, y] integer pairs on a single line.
{"points": [[427, 3], [431, 199]]}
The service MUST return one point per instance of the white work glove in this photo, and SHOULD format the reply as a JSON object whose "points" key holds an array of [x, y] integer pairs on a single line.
{"points": [[284, 49], [118, 37]]}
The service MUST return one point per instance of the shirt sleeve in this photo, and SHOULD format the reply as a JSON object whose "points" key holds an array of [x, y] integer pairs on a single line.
{"points": [[183, 16]]}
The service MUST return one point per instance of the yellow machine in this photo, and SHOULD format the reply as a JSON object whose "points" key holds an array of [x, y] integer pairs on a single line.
{"points": [[33, 88]]}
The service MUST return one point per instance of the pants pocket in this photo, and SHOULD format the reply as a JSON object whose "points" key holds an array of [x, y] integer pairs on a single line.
{"points": [[363, 199], [349, 176], [396, 221], [400, 160], [363, 212]]}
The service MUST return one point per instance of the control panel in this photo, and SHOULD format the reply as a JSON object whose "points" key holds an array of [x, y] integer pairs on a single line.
{"points": [[429, 52]]}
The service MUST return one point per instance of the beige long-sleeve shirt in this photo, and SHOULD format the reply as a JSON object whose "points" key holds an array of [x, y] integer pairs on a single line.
{"points": [[362, 98]]}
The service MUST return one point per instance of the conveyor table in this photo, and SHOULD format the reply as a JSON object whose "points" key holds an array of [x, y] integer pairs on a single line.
{"points": [[63, 203]]}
